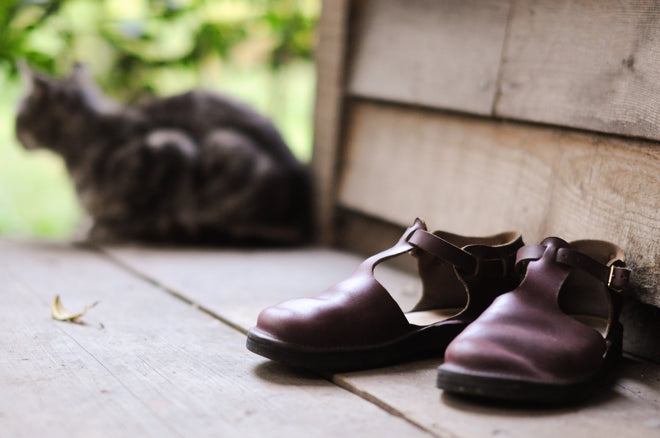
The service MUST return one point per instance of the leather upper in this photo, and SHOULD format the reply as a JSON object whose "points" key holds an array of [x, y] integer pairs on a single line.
{"points": [[360, 312], [527, 334]]}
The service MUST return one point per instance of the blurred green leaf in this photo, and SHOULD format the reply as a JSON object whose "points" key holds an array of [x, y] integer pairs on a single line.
{"points": [[152, 35]]}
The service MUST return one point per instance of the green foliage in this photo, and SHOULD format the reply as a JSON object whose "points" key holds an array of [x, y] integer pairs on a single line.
{"points": [[129, 42], [18, 19]]}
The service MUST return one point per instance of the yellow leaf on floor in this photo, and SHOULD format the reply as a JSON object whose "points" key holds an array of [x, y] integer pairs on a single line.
{"points": [[58, 312]]}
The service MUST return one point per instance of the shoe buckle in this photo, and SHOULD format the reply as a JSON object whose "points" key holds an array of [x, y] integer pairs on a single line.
{"points": [[611, 278]]}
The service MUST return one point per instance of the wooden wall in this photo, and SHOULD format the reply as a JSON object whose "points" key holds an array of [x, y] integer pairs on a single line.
{"points": [[541, 116], [578, 63]]}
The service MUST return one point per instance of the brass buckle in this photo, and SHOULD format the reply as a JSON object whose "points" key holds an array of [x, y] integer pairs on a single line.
{"points": [[611, 277]]}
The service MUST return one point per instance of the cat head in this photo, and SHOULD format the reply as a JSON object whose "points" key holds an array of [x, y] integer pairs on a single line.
{"points": [[52, 110]]}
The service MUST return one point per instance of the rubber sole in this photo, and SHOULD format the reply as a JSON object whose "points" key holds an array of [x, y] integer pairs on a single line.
{"points": [[426, 342], [516, 390], [511, 389]]}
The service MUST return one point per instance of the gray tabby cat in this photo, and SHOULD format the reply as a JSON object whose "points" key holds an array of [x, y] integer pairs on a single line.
{"points": [[191, 168]]}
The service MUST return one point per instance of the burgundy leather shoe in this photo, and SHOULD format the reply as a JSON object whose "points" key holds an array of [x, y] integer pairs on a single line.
{"points": [[356, 323], [551, 339]]}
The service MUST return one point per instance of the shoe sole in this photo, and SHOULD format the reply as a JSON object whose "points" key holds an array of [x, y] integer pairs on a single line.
{"points": [[516, 390], [426, 342]]}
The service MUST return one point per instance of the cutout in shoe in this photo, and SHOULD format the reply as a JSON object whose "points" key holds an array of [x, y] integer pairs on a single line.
{"points": [[356, 324]]}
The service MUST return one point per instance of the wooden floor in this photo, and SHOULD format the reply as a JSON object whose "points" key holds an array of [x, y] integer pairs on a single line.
{"points": [[163, 355]]}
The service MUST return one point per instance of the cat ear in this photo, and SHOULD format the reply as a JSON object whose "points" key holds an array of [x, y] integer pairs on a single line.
{"points": [[33, 82], [80, 74], [88, 90], [83, 81]]}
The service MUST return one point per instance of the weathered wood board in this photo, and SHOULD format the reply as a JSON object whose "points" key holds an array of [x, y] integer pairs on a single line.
{"points": [[477, 176], [147, 364], [438, 53], [332, 35], [585, 64], [628, 408], [590, 65]]}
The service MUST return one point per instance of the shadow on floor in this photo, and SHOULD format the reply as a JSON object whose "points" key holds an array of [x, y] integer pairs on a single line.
{"points": [[281, 374]]}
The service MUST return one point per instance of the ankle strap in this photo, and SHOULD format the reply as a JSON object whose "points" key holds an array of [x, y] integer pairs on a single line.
{"points": [[614, 276], [443, 249]]}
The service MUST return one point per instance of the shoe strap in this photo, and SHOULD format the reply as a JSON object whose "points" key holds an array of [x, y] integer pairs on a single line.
{"points": [[443, 249], [614, 276]]}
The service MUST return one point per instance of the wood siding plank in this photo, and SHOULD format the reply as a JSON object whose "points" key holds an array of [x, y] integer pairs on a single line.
{"points": [[479, 176], [330, 53], [584, 64], [443, 54]]}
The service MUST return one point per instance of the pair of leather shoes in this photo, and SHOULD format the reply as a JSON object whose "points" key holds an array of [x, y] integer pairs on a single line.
{"points": [[549, 339]]}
